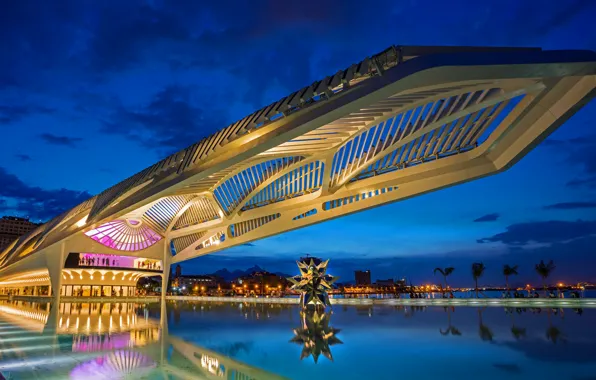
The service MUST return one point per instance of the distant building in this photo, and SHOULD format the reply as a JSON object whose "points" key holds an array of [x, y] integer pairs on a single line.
{"points": [[362, 277], [178, 271], [388, 282], [12, 227], [197, 282], [261, 282]]}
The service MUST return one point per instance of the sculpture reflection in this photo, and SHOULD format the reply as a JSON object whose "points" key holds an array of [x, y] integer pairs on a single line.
{"points": [[315, 335]]}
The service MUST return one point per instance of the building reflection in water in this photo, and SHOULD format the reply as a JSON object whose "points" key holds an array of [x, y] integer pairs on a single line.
{"points": [[103, 340], [114, 364], [315, 334]]}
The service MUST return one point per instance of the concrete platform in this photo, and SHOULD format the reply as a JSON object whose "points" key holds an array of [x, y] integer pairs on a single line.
{"points": [[493, 302]]}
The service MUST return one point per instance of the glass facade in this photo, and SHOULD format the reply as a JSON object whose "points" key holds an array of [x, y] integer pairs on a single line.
{"points": [[125, 235], [97, 291]]}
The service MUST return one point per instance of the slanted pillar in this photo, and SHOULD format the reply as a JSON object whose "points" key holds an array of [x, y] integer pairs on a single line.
{"points": [[163, 324], [55, 263], [165, 276]]}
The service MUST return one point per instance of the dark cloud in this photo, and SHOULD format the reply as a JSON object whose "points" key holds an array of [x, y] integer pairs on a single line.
{"points": [[579, 151], [588, 182], [60, 140], [248, 244], [23, 157], [260, 44], [553, 231], [508, 367], [170, 121], [33, 201], [123, 33], [12, 114], [487, 218], [570, 205]]}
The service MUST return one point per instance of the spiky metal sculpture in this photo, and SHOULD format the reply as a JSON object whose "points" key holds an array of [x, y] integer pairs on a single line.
{"points": [[312, 283], [315, 335]]}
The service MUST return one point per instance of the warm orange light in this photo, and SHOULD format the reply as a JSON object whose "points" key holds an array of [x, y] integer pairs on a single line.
{"points": [[561, 284], [81, 222]]}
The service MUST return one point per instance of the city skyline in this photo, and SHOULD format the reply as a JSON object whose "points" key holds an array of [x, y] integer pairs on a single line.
{"points": [[542, 208]]}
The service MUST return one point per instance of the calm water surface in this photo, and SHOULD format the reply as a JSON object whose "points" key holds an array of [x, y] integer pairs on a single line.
{"points": [[248, 341]]}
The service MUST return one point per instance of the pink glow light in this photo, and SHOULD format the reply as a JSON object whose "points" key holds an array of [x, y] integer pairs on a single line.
{"points": [[122, 236]]}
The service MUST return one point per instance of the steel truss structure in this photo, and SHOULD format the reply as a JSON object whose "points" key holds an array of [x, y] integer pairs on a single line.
{"points": [[403, 122]]}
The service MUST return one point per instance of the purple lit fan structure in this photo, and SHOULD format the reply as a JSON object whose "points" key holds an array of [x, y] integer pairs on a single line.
{"points": [[124, 235]]}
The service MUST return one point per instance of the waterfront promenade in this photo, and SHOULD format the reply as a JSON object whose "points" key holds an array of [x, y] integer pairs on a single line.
{"points": [[491, 302], [502, 302]]}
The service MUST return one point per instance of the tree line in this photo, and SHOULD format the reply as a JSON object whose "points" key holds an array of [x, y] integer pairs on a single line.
{"points": [[478, 269]]}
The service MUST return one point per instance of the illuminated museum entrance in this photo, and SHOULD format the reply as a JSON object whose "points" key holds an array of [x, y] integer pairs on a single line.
{"points": [[87, 275], [99, 260], [97, 291]]}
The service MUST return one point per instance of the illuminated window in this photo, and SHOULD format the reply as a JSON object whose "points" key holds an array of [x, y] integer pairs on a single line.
{"points": [[123, 235]]}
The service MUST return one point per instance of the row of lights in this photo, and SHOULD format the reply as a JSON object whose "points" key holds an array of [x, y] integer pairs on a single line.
{"points": [[91, 275], [34, 280], [36, 315]]}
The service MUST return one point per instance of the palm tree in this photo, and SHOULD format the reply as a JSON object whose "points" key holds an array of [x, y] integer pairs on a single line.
{"points": [[553, 333], [509, 271], [450, 329], [485, 333], [445, 272], [477, 271], [544, 271], [518, 332]]}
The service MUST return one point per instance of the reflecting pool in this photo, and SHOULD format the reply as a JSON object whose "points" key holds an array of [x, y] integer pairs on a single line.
{"points": [[193, 340]]}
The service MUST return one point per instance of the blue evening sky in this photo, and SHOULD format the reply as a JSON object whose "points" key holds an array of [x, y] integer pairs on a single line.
{"points": [[92, 92]]}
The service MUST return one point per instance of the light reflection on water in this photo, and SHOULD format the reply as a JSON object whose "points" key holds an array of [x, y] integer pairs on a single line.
{"points": [[274, 341]]}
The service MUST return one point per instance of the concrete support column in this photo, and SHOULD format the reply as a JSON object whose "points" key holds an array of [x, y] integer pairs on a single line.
{"points": [[163, 314], [55, 264], [165, 276]]}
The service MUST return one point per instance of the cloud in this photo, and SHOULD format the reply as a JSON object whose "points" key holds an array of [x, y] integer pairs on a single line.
{"points": [[589, 182], [581, 152], [553, 231], [12, 114], [248, 244], [23, 157], [487, 218], [60, 140], [170, 121], [570, 205], [35, 202]]}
